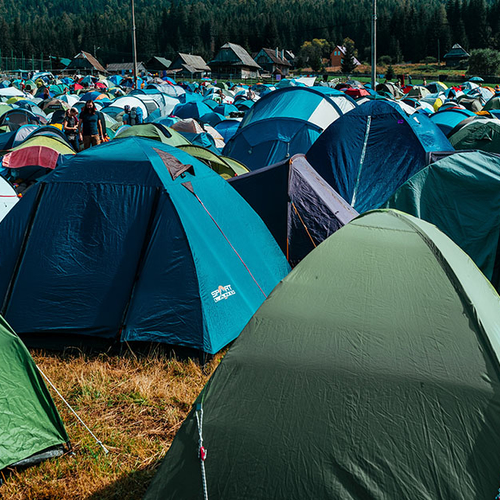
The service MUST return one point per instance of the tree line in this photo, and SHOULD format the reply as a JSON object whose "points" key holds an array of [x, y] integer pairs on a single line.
{"points": [[408, 30]]}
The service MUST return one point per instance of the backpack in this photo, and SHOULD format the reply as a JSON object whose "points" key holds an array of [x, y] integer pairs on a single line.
{"points": [[139, 115], [133, 116]]}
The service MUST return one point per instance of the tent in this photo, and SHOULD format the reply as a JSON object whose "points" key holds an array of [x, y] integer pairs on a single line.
{"points": [[369, 152], [154, 131], [193, 109], [28, 418], [371, 372], [418, 92], [8, 197], [211, 118], [9, 140], [16, 118], [285, 122], [460, 194], [296, 204], [225, 167], [142, 247], [227, 128], [482, 134], [448, 119]]}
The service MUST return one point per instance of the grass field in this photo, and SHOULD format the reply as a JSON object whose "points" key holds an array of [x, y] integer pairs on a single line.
{"points": [[133, 404]]}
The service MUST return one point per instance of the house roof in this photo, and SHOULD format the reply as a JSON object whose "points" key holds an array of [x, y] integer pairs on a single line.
{"points": [[271, 53], [125, 66], [90, 58], [456, 51], [193, 64], [243, 57], [156, 61]]}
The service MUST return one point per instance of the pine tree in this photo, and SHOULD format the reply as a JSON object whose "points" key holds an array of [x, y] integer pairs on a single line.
{"points": [[348, 64]]}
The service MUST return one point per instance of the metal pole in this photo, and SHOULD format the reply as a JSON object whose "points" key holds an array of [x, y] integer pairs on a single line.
{"points": [[374, 44], [134, 46]]}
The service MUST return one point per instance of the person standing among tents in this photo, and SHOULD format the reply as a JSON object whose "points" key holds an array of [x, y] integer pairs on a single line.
{"points": [[89, 127], [70, 128]]}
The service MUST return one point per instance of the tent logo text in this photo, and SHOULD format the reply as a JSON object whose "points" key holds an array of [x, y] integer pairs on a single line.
{"points": [[222, 293]]}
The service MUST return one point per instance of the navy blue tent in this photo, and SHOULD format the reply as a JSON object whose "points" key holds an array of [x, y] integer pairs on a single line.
{"points": [[369, 152], [297, 205], [136, 238]]}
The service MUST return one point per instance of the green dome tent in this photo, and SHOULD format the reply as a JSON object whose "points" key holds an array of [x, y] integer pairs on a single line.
{"points": [[370, 373], [154, 131], [482, 134], [29, 422], [220, 164]]}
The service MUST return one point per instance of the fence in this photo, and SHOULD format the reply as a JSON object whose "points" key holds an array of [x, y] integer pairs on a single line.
{"points": [[14, 64]]}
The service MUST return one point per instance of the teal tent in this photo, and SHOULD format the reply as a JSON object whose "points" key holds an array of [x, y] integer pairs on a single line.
{"points": [[370, 373], [135, 240], [29, 422], [460, 194]]}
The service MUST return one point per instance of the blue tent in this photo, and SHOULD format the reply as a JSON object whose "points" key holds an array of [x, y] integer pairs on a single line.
{"points": [[136, 238], [211, 103], [10, 140], [283, 123], [224, 109], [448, 119], [193, 109], [369, 152], [227, 128], [244, 104], [296, 204], [212, 118]]}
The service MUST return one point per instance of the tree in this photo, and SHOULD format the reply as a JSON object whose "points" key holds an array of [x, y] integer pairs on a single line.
{"points": [[389, 74], [311, 53], [348, 64], [484, 62]]}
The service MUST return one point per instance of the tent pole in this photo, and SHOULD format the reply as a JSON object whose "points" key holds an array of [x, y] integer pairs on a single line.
{"points": [[374, 44], [134, 46]]}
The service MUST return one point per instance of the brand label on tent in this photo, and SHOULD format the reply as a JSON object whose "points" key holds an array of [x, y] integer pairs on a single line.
{"points": [[222, 293]]}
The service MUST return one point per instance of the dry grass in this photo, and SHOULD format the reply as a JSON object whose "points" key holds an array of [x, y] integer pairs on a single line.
{"points": [[133, 404]]}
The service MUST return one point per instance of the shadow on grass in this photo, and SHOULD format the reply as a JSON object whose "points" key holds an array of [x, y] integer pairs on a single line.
{"points": [[130, 486]]}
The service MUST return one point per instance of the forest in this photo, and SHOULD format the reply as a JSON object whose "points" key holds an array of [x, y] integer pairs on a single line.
{"points": [[408, 30]]}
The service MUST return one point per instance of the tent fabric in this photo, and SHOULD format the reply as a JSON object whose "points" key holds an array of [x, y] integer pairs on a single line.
{"points": [[283, 123], [8, 197], [155, 131], [482, 134], [217, 163], [296, 204], [448, 119], [460, 194], [369, 152], [29, 420], [371, 372], [112, 242], [34, 155]]}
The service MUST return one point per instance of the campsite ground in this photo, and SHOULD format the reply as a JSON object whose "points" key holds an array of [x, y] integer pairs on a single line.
{"points": [[134, 404]]}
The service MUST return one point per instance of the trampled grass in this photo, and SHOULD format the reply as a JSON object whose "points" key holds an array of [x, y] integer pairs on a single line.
{"points": [[134, 405]]}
